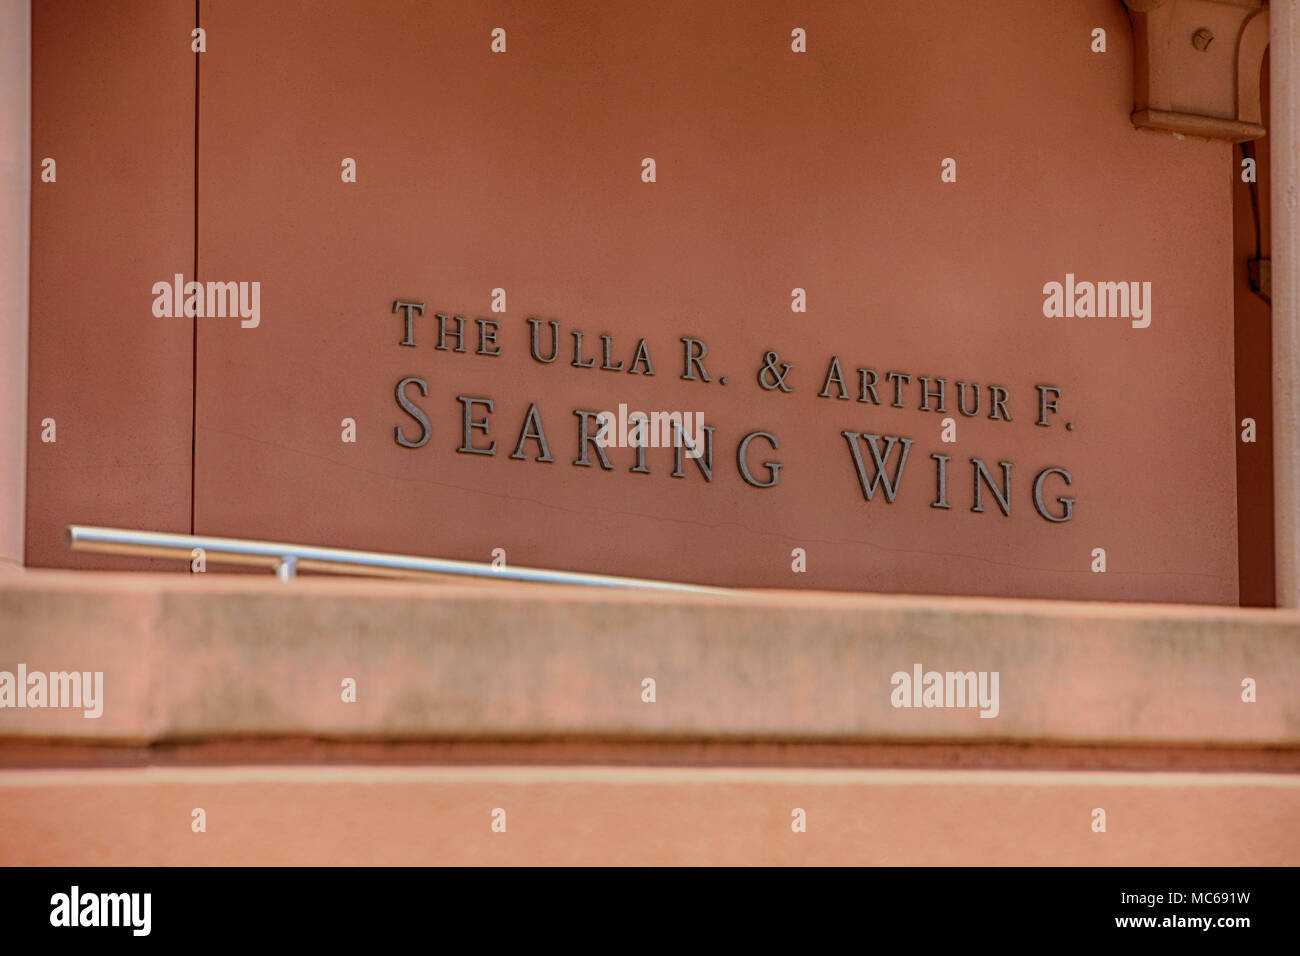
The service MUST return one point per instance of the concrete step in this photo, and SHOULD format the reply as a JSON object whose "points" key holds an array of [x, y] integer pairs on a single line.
{"points": [[622, 815], [194, 657], [227, 693]]}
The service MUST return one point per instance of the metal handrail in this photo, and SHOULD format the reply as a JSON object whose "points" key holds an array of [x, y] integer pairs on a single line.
{"points": [[288, 559]]}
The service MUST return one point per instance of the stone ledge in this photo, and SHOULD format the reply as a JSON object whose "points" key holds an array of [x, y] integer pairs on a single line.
{"points": [[201, 657], [644, 816]]}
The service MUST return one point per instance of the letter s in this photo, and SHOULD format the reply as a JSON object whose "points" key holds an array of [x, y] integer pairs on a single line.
{"points": [[414, 411]]}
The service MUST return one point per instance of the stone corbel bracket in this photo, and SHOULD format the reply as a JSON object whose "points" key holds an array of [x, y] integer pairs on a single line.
{"points": [[1196, 66]]}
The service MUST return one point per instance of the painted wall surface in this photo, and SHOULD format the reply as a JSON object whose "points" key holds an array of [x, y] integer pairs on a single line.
{"points": [[113, 107], [775, 170]]}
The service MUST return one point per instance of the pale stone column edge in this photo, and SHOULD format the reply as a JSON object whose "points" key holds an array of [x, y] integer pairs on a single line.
{"points": [[15, 220]]}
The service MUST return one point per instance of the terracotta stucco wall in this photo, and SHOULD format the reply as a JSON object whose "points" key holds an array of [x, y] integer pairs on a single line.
{"points": [[113, 106], [775, 170]]}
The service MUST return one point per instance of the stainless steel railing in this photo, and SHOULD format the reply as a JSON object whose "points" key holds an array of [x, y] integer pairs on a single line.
{"points": [[288, 559]]}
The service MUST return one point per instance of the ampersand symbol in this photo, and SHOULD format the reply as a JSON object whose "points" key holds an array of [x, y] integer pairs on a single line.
{"points": [[777, 375]]}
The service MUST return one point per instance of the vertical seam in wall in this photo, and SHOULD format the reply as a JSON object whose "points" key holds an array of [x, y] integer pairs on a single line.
{"points": [[194, 341], [24, 343]]}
